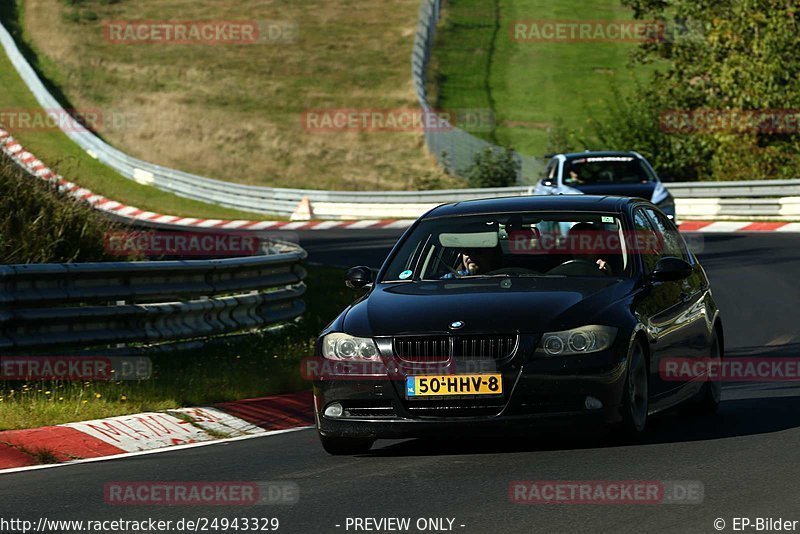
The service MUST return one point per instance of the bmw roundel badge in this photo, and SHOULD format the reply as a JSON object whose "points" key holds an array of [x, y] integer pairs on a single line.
{"points": [[455, 325]]}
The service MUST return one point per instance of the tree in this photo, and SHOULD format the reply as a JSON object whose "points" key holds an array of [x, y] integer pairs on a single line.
{"points": [[493, 168], [726, 102]]}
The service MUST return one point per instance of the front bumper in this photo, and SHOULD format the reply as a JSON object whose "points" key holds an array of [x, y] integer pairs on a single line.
{"points": [[540, 392]]}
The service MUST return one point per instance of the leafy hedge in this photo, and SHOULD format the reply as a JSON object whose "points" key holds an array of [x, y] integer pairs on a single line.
{"points": [[736, 58]]}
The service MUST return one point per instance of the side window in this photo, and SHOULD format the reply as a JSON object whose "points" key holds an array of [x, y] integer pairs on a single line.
{"points": [[673, 242], [648, 243]]}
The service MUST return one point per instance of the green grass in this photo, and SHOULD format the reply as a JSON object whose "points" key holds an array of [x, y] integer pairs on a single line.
{"points": [[226, 369], [40, 225], [233, 112], [529, 85], [68, 159]]}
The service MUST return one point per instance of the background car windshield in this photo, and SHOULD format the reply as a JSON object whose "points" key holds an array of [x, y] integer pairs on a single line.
{"points": [[605, 170], [516, 245]]}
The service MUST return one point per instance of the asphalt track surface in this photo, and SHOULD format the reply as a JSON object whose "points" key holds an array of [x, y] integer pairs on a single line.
{"points": [[746, 456]]}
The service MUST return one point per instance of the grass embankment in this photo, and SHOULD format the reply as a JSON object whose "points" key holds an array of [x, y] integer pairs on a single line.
{"points": [[37, 224], [65, 157], [529, 85], [40, 225], [241, 367], [234, 111]]}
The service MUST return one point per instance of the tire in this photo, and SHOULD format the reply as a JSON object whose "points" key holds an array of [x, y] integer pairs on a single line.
{"points": [[708, 398], [635, 400], [346, 446]]}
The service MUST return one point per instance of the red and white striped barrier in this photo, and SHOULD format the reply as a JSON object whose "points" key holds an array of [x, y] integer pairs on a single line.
{"points": [[128, 434], [738, 226], [36, 167], [12, 148]]}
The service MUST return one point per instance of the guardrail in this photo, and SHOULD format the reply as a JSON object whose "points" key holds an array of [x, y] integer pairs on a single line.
{"points": [[92, 304], [715, 199]]}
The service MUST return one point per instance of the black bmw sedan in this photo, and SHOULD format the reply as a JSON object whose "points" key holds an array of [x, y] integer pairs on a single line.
{"points": [[516, 313]]}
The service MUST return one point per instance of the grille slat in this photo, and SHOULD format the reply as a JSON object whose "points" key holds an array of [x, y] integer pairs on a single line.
{"points": [[465, 348]]}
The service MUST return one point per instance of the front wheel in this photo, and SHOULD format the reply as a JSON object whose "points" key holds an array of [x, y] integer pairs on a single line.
{"points": [[345, 446], [635, 402]]}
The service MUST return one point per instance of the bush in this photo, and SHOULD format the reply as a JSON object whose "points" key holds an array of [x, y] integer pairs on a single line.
{"points": [[493, 168], [727, 57], [38, 224]]}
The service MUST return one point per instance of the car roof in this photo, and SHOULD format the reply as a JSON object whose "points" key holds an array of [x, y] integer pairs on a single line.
{"points": [[600, 154], [589, 203]]}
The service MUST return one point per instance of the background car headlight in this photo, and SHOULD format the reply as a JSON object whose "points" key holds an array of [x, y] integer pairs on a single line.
{"points": [[660, 194], [664, 201], [581, 340], [343, 347], [668, 207]]}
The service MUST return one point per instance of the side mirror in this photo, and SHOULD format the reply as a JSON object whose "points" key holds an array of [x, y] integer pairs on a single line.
{"points": [[671, 269], [359, 277]]}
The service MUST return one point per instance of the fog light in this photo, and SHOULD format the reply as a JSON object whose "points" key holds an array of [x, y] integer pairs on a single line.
{"points": [[593, 404], [334, 410]]}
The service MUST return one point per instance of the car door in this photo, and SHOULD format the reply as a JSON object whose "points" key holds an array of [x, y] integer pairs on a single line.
{"points": [[694, 327], [660, 308]]}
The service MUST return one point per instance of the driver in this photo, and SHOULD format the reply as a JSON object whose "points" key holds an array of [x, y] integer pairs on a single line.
{"points": [[573, 178], [579, 236], [475, 261]]}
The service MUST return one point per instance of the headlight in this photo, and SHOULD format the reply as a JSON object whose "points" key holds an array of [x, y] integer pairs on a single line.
{"points": [[660, 194], [581, 340], [668, 207], [343, 347]]}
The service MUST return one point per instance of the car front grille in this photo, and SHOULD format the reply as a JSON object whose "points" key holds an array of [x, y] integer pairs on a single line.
{"points": [[467, 348], [423, 349], [475, 348]]}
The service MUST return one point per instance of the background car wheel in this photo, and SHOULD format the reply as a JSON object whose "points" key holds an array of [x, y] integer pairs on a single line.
{"points": [[635, 401], [707, 400], [346, 446]]}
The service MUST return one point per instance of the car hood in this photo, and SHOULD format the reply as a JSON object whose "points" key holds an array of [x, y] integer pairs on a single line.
{"points": [[484, 306], [644, 191]]}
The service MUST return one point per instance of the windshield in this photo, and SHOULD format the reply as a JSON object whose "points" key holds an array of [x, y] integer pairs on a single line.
{"points": [[512, 245], [606, 170]]}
